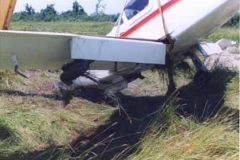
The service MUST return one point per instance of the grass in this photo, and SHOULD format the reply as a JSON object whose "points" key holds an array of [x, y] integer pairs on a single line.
{"points": [[227, 33], [232, 93], [87, 28], [209, 132], [37, 121], [33, 118], [174, 137]]}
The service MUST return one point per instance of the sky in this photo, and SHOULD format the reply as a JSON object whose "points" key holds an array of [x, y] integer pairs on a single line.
{"points": [[112, 6]]}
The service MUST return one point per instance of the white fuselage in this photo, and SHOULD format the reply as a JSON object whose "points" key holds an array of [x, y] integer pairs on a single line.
{"points": [[187, 21]]}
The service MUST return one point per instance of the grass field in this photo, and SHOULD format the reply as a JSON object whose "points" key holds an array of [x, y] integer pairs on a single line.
{"points": [[37, 121], [88, 28]]}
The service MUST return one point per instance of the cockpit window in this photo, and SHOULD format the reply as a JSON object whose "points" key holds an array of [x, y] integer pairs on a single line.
{"points": [[134, 7]]}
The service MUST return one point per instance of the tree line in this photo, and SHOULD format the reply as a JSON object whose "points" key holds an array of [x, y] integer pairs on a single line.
{"points": [[78, 13], [50, 14]]}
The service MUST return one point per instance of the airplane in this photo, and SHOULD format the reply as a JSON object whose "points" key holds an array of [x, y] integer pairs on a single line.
{"points": [[148, 34]]}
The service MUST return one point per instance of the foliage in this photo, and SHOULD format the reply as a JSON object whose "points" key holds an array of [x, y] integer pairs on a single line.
{"points": [[28, 14], [77, 13], [29, 10], [100, 6], [48, 14], [234, 21], [78, 9]]}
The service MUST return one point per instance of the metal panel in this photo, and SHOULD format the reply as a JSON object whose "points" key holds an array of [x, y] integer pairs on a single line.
{"points": [[118, 50], [34, 50]]}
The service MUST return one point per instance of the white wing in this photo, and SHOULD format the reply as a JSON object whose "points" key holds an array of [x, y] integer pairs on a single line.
{"points": [[51, 50]]}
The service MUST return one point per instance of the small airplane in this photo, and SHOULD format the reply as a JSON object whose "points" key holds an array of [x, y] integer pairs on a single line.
{"points": [[148, 34]]}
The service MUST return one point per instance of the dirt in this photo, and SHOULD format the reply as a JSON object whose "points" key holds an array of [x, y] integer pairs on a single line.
{"points": [[229, 59]]}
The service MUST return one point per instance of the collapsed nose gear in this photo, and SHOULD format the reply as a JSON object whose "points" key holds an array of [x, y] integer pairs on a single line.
{"points": [[73, 70]]}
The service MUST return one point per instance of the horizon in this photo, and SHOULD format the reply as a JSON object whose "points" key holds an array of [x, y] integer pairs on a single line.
{"points": [[112, 7]]}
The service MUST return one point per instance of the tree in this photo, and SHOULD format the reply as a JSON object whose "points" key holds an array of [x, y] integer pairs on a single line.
{"points": [[100, 6], [77, 9], [29, 9], [48, 14], [27, 14]]}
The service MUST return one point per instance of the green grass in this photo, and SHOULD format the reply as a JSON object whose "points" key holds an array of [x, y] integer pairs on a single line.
{"points": [[42, 124], [173, 137], [33, 119], [227, 33], [37, 121], [232, 93], [87, 28]]}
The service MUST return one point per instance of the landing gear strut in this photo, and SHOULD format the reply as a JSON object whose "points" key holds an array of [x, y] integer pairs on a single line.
{"points": [[171, 84]]}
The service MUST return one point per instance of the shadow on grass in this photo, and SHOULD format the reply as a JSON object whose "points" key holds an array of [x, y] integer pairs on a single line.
{"points": [[206, 104], [121, 136], [23, 94], [124, 129]]}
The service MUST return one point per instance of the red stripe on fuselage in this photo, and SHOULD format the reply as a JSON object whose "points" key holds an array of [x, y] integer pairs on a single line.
{"points": [[165, 7]]}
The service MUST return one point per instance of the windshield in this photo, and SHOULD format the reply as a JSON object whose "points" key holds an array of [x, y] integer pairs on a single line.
{"points": [[134, 7]]}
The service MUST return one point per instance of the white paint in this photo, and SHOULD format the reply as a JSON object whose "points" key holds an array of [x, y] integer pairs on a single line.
{"points": [[34, 50], [118, 50], [225, 43], [208, 49], [188, 21]]}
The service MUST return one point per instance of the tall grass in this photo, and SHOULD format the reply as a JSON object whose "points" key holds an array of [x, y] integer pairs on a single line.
{"points": [[171, 137], [232, 96], [32, 120]]}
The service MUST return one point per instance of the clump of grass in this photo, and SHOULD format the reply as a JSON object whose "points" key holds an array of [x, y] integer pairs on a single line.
{"points": [[29, 127], [32, 118], [9, 79], [174, 137], [232, 93]]}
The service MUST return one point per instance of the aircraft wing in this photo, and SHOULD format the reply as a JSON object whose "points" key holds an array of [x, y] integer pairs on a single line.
{"points": [[39, 50]]}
